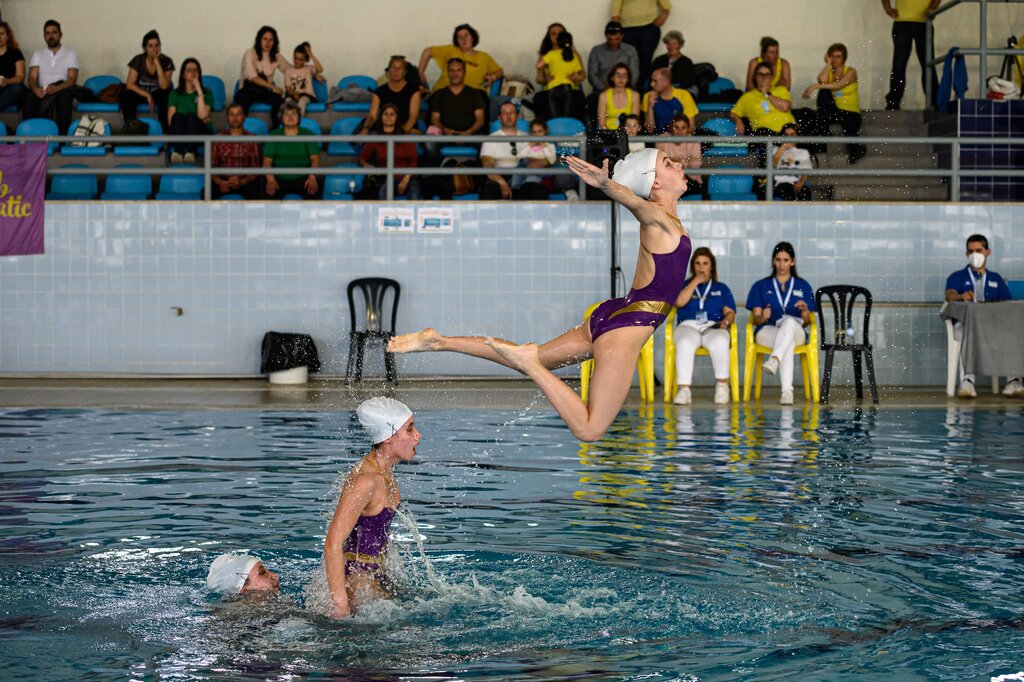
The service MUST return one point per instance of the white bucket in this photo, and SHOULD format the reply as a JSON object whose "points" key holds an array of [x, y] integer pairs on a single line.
{"points": [[295, 375]]}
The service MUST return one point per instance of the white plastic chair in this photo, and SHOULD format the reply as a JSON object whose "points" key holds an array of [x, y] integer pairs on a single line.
{"points": [[953, 360]]}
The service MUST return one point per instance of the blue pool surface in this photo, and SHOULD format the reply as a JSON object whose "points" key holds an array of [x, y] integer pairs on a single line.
{"points": [[733, 544]]}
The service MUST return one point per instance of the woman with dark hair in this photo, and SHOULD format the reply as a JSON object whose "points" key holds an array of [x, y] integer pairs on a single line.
{"points": [[618, 100], [780, 307], [188, 111], [560, 71], [481, 69], [397, 90], [149, 80], [780, 67], [375, 155], [706, 310], [12, 69], [291, 155], [550, 40], [259, 64]]}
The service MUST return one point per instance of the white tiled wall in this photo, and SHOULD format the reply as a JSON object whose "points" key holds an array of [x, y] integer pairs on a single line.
{"points": [[102, 299]]}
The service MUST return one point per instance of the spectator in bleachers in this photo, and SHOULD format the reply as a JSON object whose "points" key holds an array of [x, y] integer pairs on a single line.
{"points": [[838, 97], [908, 29], [631, 123], [375, 155], [679, 65], [788, 160], [149, 81], [259, 64], [480, 68], [400, 92], [457, 109], [781, 306], [189, 107], [976, 283], [642, 21], [606, 56], [618, 99], [560, 71], [236, 155], [664, 101], [52, 79], [765, 108], [291, 155], [780, 67], [299, 76], [510, 155], [550, 40], [706, 310], [12, 69], [686, 153]]}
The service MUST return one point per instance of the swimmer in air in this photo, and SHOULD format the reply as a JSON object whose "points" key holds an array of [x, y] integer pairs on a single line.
{"points": [[649, 184]]}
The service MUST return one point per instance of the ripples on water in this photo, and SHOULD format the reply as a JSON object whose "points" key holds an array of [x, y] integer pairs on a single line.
{"points": [[729, 544]]}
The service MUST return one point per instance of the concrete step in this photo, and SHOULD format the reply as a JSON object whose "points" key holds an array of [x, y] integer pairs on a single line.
{"points": [[878, 159], [844, 191]]}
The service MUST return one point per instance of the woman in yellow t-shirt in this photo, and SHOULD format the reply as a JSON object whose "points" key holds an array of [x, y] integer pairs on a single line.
{"points": [[838, 97], [561, 72], [617, 101], [481, 69], [780, 67]]}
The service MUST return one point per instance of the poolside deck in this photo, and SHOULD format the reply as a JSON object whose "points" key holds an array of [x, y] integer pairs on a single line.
{"points": [[427, 393]]}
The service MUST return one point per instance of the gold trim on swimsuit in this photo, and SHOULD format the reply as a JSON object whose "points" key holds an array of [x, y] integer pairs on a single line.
{"points": [[656, 307], [364, 558]]}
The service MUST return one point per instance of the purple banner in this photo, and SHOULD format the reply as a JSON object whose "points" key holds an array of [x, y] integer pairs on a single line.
{"points": [[22, 186]]}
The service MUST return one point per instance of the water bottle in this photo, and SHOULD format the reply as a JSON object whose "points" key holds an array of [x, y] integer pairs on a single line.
{"points": [[849, 330], [351, 185]]}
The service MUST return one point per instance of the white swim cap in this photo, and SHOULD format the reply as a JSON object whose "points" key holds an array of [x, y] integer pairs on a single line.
{"points": [[382, 417], [636, 171], [228, 572]]}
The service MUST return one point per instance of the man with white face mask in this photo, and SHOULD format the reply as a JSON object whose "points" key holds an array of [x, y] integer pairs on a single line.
{"points": [[978, 284]]}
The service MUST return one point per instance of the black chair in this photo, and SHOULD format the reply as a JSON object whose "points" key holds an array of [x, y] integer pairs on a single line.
{"points": [[374, 292], [842, 297]]}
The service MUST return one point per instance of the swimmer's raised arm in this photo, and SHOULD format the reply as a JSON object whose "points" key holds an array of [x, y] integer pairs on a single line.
{"points": [[597, 177], [355, 497]]}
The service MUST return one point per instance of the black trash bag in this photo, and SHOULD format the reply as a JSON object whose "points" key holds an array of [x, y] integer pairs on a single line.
{"points": [[283, 351]]}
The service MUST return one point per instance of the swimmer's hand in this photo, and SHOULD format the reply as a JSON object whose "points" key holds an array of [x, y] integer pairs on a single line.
{"points": [[591, 174]]}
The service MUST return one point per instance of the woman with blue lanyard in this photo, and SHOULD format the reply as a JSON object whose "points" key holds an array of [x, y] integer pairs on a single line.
{"points": [[706, 309], [781, 306]]}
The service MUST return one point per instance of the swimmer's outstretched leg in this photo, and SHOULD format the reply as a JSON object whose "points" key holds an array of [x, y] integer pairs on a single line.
{"points": [[615, 355], [429, 340]]}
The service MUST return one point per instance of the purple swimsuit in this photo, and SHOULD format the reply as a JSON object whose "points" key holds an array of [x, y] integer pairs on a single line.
{"points": [[366, 545], [650, 305]]}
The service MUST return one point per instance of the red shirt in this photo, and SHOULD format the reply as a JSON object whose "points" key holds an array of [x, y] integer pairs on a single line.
{"points": [[376, 154], [236, 154]]}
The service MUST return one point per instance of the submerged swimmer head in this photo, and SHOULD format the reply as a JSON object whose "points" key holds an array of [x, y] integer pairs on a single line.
{"points": [[240, 574], [382, 417]]}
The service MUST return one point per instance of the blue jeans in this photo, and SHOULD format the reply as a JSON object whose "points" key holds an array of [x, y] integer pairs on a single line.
{"points": [[12, 95]]}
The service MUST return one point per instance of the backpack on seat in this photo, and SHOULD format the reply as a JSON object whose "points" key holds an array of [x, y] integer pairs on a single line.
{"points": [[89, 126]]}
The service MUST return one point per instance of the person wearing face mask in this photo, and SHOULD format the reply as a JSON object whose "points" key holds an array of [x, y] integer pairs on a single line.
{"points": [[781, 306], [976, 283]]}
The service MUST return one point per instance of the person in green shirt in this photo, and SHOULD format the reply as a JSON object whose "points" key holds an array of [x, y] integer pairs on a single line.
{"points": [[188, 113], [291, 155]]}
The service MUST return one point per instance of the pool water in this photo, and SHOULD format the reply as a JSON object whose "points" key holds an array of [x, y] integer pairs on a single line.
{"points": [[687, 545]]}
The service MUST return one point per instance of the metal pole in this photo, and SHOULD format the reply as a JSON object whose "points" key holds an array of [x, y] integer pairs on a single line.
{"points": [[390, 178], [769, 180], [614, 241], [207, 162], [983, 31], [954, 181]]}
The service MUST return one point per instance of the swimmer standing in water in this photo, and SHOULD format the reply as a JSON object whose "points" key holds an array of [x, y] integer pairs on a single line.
{"points": [[357, 539], [649, 184]]}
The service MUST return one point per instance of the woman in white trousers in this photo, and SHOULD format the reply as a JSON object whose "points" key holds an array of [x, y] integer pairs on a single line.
{"points": [[706, 309]]}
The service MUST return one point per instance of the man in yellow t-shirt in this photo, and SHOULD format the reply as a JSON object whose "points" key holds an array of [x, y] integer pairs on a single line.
{"points": [[764, 106], [908, 27]]}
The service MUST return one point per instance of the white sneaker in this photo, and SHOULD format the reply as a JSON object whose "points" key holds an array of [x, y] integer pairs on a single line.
{"points": [[966, 389], [176, 158], [771, 365], [1013, 388], [683, 397], [189, 157], [721, 394], [787, 398], [572, 195]]}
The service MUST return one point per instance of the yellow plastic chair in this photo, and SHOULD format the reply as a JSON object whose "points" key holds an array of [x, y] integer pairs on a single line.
{"points": [[670, 360], [644, 366], [809, 362]]}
